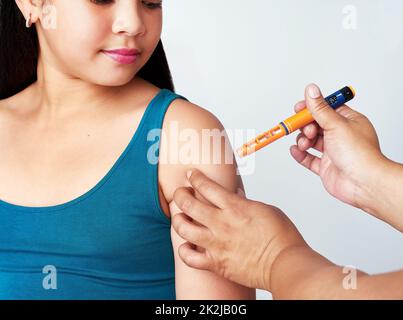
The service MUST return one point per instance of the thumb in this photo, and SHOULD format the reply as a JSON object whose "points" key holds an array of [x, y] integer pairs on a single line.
{"points": [[324, 115]]}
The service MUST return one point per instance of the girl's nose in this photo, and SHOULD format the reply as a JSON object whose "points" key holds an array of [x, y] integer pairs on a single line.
{"points": [[128, 19]]}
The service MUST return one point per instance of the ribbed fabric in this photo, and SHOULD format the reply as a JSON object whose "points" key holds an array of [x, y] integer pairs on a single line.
{"points": [[112, 242]]}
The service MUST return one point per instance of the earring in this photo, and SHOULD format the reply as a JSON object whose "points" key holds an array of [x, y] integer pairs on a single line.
{"points": [[28, 22]]}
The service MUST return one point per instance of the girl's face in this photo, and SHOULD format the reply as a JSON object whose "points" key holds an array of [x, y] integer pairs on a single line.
{"points": [[74, 36]]}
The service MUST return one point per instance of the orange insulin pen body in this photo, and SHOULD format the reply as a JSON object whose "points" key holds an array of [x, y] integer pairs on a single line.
{"points": [[296, 122]]}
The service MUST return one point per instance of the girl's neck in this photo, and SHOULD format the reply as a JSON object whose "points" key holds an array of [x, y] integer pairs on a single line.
{"points": [[58, 95]]}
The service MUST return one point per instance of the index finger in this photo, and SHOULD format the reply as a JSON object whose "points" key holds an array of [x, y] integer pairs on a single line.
{"points": [[311, 130], [185, 201], [299, 106], [210, 190]]}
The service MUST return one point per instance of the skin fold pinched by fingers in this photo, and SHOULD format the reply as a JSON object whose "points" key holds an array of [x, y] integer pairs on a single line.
{"points": [[210, 190]]}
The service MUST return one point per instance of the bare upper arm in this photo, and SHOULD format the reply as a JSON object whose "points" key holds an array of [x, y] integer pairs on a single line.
{"points": [[176, 158]]}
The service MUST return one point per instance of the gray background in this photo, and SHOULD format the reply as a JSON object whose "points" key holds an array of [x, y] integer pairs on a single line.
{"points": [[248, 61]]}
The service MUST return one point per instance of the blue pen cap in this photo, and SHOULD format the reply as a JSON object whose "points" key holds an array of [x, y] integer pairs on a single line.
{"points": [[340, 97]]}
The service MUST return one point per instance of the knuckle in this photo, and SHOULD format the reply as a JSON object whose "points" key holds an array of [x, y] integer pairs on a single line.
{"points": [[320, 105], [225, 229], [346, 112], [310, 130]]}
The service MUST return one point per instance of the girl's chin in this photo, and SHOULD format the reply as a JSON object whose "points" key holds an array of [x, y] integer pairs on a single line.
{"points": [[116, 83]]}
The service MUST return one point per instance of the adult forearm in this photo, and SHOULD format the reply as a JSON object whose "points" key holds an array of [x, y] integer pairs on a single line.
{"points": [[302, 273]]}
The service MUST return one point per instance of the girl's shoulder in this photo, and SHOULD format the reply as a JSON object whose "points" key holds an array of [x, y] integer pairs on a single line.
{"points": [[194, 138], [7, 103], [8, 108], [184, 112], [191, 115], [18, 103]]}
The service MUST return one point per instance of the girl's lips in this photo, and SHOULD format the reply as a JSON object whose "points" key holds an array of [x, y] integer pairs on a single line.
{"points": [[123, 56]]}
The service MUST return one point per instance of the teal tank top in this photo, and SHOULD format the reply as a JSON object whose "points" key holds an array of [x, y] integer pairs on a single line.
{"points": [[112, 242]]}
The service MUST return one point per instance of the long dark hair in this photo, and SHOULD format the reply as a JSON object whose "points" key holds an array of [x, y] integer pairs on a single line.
{"points": [[19, 52]]}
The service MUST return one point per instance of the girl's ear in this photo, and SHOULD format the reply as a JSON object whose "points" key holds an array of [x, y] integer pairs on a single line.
{"points": [[30, 7], [22, 6]]}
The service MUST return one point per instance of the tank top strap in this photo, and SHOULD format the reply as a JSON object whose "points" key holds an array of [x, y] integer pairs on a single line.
{"points": [[138, 174], [151, 129], [156, 112]]}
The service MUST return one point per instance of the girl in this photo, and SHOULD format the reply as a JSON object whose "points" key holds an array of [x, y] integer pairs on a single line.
{"points": [[84, 211]]}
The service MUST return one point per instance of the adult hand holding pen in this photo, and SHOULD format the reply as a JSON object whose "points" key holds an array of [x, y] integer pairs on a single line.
{"points": [[352, 167]]}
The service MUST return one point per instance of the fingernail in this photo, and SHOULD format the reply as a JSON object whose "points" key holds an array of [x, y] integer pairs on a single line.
{"points": [[314, 91], [189, 174], [174, 208]]}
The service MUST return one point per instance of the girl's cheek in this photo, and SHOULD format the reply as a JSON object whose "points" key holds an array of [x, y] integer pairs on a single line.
{"points": [[77, 26], [81, 37]]}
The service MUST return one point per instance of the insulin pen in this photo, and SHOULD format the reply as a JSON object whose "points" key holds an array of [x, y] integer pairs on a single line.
{"points": [[296, 122]]}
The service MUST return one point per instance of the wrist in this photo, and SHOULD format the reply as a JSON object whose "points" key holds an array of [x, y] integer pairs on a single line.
{"points": [[275, 262], [285, 280], [378, 193], [368, 183], [282, 235]]}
